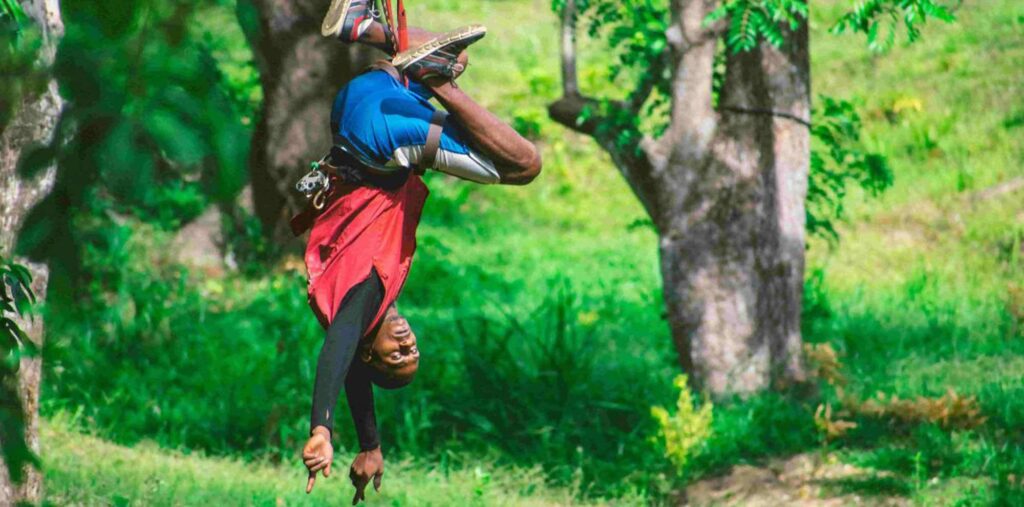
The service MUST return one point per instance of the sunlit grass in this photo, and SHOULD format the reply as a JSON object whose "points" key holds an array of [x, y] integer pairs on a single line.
{"points": [[84, 470]]}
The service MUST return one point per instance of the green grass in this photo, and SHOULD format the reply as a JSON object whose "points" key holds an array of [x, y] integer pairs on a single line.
{"points": [[84, 470], [517, 290]]}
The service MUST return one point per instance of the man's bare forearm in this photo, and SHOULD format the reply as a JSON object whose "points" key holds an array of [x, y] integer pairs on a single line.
{"points": [[517, 159]]}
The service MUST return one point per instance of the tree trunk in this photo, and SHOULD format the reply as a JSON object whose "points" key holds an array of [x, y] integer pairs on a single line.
{"points": [[732, 245], [301, 72], [725, 189], [33, 125]]}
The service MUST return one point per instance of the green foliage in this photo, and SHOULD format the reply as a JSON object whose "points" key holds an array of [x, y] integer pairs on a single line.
{"points": [[915, 299], [873, 16], [529, 384], [634, 32], [150, 131], [11, 10], [683, 434], [16, 299], [24, 77], [840, 160], [751, 21], [245, 244], [198, 341]]}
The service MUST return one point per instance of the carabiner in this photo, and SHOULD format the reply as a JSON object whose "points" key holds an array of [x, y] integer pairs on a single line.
{"points": [[320, 199]]}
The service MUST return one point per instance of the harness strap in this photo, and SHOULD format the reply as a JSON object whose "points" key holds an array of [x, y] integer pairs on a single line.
{"points": [[399, 28], [303, 221], [386, 67], [433, 144]]}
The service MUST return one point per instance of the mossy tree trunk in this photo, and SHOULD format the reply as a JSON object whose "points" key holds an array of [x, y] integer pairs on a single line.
{"points": [[33, 124], [725, 189], [300, 72]]}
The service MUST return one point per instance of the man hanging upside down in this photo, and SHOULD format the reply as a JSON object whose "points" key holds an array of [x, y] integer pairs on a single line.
{"points": [[370, 195]]}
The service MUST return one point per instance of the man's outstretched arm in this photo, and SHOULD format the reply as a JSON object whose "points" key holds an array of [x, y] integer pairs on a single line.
{"points": [[369, 463], [333, 367]]}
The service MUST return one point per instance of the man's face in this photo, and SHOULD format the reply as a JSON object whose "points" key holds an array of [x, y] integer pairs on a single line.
{"points": [[394, 348]]}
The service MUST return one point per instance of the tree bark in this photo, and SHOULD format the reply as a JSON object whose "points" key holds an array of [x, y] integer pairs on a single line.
{"points": [[33, 125], [725, 189], [300, 72], [733, 240]]}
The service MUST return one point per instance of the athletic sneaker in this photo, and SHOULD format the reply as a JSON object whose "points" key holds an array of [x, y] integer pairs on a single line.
{"points": [[438, 57], [347, 19]]}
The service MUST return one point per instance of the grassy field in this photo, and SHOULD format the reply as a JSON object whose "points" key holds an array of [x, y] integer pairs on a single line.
{"points": [[84, 470], [923, 293]]}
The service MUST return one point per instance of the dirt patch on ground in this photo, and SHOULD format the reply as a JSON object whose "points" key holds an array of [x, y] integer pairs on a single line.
{"points": [[803, 480]]}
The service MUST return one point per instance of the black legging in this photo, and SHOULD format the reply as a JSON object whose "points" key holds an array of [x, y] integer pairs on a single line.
{"points": [[338, 362]]}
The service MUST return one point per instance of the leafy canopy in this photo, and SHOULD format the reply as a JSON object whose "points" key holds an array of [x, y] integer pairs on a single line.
{"points": [[23, 76], [153, 129], [751, 21], [871, 17]]}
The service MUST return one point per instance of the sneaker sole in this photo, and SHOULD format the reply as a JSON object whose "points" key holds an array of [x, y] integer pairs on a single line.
{"points": [[335, 17], [411, 56]]}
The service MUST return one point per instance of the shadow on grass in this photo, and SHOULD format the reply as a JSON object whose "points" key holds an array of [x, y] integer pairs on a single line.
{"points": [[874, 485]]}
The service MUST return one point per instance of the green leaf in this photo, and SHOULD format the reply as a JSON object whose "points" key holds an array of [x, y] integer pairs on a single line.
{"points": [[869, 16]]}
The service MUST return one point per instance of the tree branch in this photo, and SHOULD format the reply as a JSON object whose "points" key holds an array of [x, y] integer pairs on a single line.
{"points": [[596, 118], [570, 83], [634, 163], [693, 60]]}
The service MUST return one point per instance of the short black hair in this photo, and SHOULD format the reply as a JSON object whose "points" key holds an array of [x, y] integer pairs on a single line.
{"points": [[381, 378], [385, 381]]}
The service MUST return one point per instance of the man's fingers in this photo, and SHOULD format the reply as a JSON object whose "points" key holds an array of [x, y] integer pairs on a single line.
{"points": [[312, 479], [327, 471], [319, 466], [376, 481], [360, 490], [360, 495], [312, 462]]}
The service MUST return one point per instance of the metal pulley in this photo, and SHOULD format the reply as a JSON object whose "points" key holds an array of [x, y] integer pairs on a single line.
{"points": [[315, 185]]}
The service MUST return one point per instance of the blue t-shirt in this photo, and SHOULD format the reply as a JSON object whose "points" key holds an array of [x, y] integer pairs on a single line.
{"points": [[374, 115]]}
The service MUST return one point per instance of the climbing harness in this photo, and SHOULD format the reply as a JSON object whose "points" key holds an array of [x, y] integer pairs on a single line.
{"points": [[343, 166], [318, 184]]}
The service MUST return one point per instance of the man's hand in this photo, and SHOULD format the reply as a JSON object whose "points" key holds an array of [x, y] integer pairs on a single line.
{"points": [[318, 454], [367, 465]]}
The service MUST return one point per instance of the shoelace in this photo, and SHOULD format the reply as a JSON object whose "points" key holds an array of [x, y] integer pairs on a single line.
{"points": [[374, 12]]}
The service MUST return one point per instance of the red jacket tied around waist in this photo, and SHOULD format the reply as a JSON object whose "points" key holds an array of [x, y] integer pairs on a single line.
{"points": [[364, 228]]}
